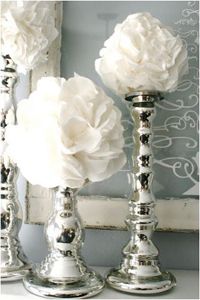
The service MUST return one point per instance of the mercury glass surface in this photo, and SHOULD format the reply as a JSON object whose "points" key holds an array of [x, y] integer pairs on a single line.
{"points": [[140, 270], [63, 273], [14, 263]]}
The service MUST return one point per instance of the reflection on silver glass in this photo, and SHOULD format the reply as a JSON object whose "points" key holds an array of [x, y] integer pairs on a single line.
{"points": [[13, 261], [139, 271], [63, 272]]}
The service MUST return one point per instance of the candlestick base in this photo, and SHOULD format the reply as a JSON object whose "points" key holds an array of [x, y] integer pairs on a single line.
{"points": [[87, 286], [14, 264], [14, 275], [125, 282]]}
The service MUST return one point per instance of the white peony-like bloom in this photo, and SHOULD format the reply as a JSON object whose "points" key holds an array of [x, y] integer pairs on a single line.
{"points": [[142, 54], [27, 30], [68, 131]]}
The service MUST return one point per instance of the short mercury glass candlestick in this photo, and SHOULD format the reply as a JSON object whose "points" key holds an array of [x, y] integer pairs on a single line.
{"points": [[139, 271], [13, 260], [63, 273]]}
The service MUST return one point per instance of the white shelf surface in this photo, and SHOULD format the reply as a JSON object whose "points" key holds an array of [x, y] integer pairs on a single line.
{"points": [[187, 288]]}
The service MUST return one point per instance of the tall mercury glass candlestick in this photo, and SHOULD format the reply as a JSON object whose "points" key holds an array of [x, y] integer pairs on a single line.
{"points": [[13, 260], [140, 64], [139, 271], [18, 51]]}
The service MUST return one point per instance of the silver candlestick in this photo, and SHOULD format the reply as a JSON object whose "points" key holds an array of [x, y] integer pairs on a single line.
{"points": [[139, 271], [13, 261], [63, 272]]}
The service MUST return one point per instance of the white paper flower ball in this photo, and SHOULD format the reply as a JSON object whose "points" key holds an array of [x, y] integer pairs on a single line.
{"points": [[142, 54], [68, 131], [27, 30]]}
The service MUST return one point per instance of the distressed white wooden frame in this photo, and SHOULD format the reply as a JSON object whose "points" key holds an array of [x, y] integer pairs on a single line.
{"points": [[96, 211], [110, 213]]}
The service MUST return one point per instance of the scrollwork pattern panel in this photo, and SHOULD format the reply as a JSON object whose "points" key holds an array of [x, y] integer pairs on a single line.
{"points": [[176, 125]]}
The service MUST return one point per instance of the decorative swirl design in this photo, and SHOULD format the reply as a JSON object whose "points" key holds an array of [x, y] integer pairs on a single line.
{"points": [[186, 106], [190, 22], [162, 141], [181, 167], [186, 85], [191, 3], [188, 34], [188, 12], [178, 104], [193, 48], [189, 119]]}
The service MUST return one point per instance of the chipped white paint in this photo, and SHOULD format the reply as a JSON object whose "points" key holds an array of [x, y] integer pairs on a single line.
{"points": [[104, 212], [97, 211], [52, 66]]}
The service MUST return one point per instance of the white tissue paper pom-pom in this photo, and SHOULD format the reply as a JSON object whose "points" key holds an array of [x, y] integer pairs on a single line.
{"points": [[68, 131], [27, 30], [142, 54]]}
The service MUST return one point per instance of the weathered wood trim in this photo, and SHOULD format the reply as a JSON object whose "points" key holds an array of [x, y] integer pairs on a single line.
{"points": [[110, 213], [52, 66]]}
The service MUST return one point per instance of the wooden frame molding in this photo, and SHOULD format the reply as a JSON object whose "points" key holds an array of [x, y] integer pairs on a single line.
{"points": [[109, 213]]}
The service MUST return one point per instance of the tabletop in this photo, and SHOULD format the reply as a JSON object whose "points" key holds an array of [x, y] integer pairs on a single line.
{"points": [[187, 288]]}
